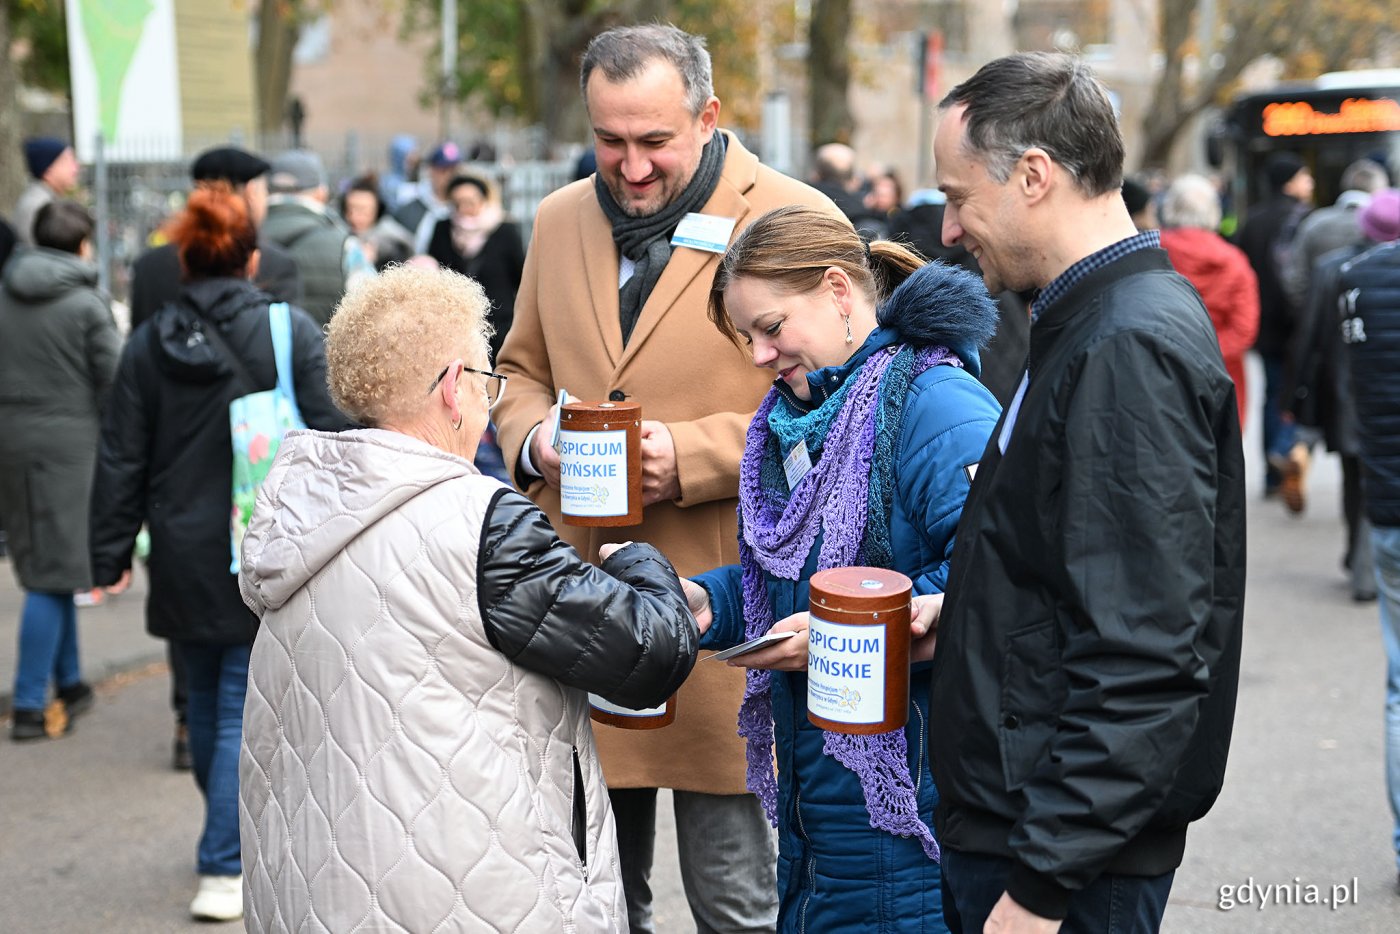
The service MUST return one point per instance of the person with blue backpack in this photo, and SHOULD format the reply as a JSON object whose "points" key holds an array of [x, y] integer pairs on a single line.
{"points": [[202, 392]]}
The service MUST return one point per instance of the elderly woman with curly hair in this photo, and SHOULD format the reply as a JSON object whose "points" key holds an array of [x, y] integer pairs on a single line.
{"points": [[417, 752]]}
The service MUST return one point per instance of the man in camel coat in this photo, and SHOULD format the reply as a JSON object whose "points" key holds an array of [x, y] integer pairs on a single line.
{"points": [[611, 309]]}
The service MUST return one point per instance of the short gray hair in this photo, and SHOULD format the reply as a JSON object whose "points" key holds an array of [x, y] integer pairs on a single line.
{"points": [[1191, 201], [1365, 175], [1046, 100], [625, 52]]}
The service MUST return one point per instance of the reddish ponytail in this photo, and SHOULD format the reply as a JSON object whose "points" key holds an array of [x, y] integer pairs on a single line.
{"points": [[214, 233]]}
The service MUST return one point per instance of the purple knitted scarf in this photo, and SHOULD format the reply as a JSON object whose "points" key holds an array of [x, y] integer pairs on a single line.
{"points": [[777, 536]]}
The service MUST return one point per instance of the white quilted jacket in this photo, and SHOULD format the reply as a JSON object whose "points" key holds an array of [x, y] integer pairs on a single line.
{"points": [[397, 772]]}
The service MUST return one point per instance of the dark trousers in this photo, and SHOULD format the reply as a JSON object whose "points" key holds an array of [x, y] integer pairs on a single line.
{"points": [[973, 883], [179, 686]]}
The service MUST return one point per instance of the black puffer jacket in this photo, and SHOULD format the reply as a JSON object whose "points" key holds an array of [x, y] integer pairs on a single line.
{"points": [[166, 458], [548, 610], [1370, 288], [1088, 654]]}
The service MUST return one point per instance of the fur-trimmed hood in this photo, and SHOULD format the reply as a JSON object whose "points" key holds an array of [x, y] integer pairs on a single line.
{"points": [[942, 305]]}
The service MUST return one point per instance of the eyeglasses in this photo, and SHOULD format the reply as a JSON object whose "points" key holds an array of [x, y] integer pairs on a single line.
{"points": [[495, 384]]}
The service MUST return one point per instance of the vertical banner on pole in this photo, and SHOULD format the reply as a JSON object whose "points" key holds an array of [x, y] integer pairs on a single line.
{"points": [[126, 83]]}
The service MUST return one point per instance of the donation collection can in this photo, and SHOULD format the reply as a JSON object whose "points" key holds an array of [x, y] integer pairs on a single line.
{"points": [[600, 464], [653, 718], [858, 650]]}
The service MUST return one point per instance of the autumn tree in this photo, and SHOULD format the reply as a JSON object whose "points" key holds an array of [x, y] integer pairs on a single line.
{"points": [[279, 26], [520, 58], [1310, 38], [35, 29], [829, 73]]}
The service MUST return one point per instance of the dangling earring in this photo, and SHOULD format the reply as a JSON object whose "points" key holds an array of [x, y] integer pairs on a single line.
{"points": [[849, 338], [457, 425]]}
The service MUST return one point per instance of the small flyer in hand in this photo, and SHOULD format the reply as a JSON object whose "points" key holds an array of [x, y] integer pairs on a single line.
{"points": [[753, 645], [554, 440]]}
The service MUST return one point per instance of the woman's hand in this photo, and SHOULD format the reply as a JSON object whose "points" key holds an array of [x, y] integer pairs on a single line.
{"points": [[788, 655], [924, 610]]}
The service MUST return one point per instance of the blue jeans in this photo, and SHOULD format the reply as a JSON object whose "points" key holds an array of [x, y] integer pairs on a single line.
{"points": [[218, 682], [1385, 544], [48, 648], [973, 883], [1279, 435], [728, 856]]}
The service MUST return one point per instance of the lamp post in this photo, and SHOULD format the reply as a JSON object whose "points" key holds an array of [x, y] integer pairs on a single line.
{"points": [[449, 68]]}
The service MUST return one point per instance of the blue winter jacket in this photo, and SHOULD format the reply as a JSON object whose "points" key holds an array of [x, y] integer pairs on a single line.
{"points": [[835, 872]]}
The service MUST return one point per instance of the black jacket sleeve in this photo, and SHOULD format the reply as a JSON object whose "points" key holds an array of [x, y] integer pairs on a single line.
{"points": [[622, 631], [278, 274], [1137, 528], [119, 487]]}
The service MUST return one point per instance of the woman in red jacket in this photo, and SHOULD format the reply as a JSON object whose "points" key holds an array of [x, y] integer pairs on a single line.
{"points": [[1220, 271]]}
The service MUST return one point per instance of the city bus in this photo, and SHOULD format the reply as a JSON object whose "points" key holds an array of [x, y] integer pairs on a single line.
{"points": [[1329, 122]]}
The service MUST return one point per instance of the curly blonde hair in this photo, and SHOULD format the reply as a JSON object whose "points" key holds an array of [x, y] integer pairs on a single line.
{"points": [[391, 334]]}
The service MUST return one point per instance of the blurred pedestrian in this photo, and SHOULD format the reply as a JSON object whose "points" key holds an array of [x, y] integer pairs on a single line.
{"points": [[1320, 394], [438, 641], [920, 224], [382, 238], [1142, 206], [1088, 651], [788, 286], [156, 278], [299, 219], [53, 173], [166, 460], [478, 241], [58, 354], [1219, 270], [835, 174], [8, 241], [1330, 228], [1267, 239], [396, 185], [611, 308], [429, 204], [884, 196]]}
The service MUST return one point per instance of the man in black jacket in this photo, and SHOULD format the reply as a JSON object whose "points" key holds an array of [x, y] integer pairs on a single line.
{"points": [[1370, 306], [156, 278], [1088, 655]]}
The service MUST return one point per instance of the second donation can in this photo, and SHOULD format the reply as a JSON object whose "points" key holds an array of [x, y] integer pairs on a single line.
{"points": [[600, 464], [858, 650], [652, 718]]}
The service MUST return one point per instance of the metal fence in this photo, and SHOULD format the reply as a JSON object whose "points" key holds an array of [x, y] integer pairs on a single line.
{"points": [[133, 198]]}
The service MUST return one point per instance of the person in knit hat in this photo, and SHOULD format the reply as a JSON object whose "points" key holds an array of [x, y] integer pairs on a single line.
{"points": [[1266, 238], [53, 171]]}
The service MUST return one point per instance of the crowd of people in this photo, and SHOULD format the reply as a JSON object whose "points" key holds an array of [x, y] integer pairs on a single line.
{"points": [[1022, 387]]}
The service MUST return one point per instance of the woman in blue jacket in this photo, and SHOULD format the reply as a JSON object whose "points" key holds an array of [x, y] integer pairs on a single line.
{"points": [[876, 356]]}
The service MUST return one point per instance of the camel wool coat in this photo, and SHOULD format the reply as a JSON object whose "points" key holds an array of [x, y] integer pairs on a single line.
{"points": [[683, 372]]}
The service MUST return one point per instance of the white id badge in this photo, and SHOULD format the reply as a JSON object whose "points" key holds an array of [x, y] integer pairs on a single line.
{"points": [[797, 464], [704, 232]]}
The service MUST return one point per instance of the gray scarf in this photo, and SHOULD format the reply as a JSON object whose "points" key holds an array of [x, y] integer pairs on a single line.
{"points": [[646, 241]]}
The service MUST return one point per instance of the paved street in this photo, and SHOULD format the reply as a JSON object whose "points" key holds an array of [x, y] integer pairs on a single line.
{"points": [[98, 834]]}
